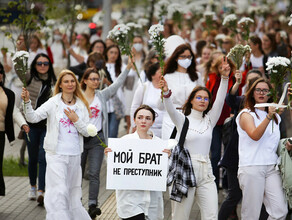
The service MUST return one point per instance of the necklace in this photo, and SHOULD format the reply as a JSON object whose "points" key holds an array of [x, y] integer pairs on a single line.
{"points": [[69, 102]]}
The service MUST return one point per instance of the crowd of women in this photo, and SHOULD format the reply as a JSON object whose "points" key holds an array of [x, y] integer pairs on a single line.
{"points": [[200, 86]]}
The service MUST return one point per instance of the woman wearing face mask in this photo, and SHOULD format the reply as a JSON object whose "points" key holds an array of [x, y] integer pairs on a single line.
{"points": [[202, 118], [39, 84], [140, 204], [59, 52], [93, 151], [132, 80], [182, 78]]}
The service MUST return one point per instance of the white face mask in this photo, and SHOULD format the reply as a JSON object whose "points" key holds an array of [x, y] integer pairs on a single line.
{"points": [[57, 37], [185, 63], [138, 47]]}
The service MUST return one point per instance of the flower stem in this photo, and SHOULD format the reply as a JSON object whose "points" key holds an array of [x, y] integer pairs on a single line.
{"points": [[101, 142], [135, 66]]}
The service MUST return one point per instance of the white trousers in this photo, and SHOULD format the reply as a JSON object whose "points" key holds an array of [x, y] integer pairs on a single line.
{"points": [[205, 194], [63, 188], [261, 184]]}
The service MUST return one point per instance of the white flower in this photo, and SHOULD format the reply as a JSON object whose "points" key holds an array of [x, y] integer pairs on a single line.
{"points": [[228, 19], [245, 20], [32, 6], [174, 7], [131, 24], [220, 36], [283, 34], [78, 7], [120, 29], [91, 130], [79, 16], [143, 21], [209, 14], [290, 22], [3, 28], [155, 30], [163, 3], [253, 9], [51, 22], [230, 5], [20, 54], [277, 61], [46, 30]]}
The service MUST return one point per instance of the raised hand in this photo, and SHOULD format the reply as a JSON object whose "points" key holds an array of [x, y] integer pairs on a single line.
{"points": [[71, 114], [238, 76], [225, 67], [163, 84], [25, 94]]}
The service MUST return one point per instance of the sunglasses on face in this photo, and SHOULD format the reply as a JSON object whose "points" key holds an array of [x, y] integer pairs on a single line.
{"points": [[46, 63]]}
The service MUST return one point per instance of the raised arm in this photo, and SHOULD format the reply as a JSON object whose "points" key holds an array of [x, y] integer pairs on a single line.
{"points": [[113, 88], [34, 116], [215, 112], [137, 101], [176, 117]]}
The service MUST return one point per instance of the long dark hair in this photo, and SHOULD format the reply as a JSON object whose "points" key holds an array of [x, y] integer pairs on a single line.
{"points": [[171, 64], [258, 41], [249, 101], [152, 71], [34, 73], [187, 107], [272, 38], [118, 64], [85, 76], [95, 42]]}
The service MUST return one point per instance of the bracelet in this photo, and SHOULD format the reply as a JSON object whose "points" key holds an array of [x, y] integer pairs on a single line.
{"points": [[268, 118], [168, 94], [26, 102]]}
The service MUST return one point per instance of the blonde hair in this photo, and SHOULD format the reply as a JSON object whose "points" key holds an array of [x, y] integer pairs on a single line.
{"points": [[77, 93]]}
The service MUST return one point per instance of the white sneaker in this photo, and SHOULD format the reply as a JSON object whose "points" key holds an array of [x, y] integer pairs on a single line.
{"points": [[32, 194]]}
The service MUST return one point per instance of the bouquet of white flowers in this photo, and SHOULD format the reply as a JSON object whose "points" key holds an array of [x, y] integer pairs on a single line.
{"points": [[230, 21], [175, 12], [155, 32], [20, 62], [237, 53], [162, 10], [244, 23], [92, 131], [120, 35], [209, 17], [278, 68]]}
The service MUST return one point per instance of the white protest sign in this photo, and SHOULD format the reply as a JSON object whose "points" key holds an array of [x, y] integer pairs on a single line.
{"points": [[137, 164]]}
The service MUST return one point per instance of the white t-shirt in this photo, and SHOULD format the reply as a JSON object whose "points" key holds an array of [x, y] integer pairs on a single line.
{"points": [[263, 151], [96, 113], [256, 62], [68, 139]]}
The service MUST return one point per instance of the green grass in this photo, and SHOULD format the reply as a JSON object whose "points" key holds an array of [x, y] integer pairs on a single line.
{"points": [[11, 167]]}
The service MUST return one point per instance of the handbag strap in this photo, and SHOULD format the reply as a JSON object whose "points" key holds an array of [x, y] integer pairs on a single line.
{"points": [[183, 133]]}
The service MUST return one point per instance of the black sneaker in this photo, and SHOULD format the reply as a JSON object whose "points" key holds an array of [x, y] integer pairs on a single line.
{"points": [[93, 211]]}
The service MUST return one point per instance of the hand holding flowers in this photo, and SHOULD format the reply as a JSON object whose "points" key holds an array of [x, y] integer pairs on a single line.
{"points": [[237, 53], [155, 32], [92, 131], [120, 35]]}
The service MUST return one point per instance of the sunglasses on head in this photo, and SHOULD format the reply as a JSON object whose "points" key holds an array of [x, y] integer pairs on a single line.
{"points": [[46, 63]]}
